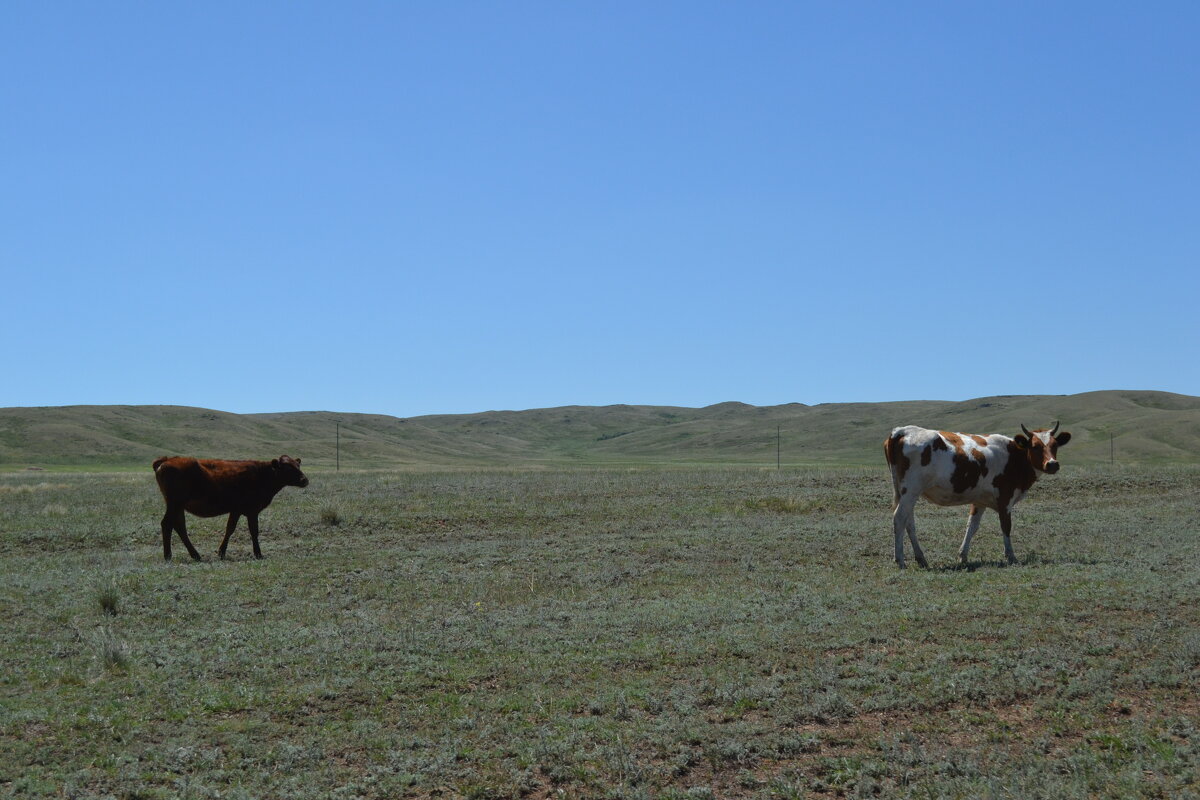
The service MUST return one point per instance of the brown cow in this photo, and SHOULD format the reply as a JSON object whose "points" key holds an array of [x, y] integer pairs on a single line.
{"points": [[210, 487]]}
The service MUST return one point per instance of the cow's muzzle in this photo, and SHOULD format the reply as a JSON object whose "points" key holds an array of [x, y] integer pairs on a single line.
{"points": [[1051, 467]]}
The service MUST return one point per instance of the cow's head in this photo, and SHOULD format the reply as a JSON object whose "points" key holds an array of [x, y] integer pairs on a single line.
{"points": [[288, 470], [1041, 447]]}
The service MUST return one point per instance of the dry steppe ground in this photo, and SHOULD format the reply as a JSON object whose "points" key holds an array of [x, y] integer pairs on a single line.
{"points": [[601, 633]]}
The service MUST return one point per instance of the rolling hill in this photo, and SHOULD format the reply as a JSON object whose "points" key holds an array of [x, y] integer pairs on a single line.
{"points": [[1136, 426]]}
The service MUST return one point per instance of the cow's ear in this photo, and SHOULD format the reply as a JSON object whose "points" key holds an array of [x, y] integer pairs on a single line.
{"points": [[1062, 438], [298, 460], [1021, 442]]}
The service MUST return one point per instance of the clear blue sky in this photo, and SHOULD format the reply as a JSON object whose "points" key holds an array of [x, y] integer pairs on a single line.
{"points": [[411, 208]]}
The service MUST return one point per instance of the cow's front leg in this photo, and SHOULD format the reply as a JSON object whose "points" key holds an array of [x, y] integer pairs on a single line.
{"points": [[972, 526], [252, 520], [1006, 529], [229, 526]]}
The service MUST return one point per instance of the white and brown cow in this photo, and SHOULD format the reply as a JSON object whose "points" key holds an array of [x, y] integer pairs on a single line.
{"points": [[958, 469]]}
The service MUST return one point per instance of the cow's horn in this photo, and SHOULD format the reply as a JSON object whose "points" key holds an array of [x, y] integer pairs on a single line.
{"points": [[1055, 430], [1027, 433]]}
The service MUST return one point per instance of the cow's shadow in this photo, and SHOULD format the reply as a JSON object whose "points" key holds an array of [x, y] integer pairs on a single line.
{"points": [[972, 565], [1033, 558], [233, 558], [214, 559], [1037, 558]]}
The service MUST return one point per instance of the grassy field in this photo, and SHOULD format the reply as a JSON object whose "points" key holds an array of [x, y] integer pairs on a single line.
{"points": [[723, 633]]}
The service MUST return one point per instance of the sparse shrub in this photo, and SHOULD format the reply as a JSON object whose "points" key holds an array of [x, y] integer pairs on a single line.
{"points": [[748, 780], [831, 706], [108, 596], [790, 745], [330, 516], [782, 505], [731, 751], [789, 786], [114, 653], [622, 763]]}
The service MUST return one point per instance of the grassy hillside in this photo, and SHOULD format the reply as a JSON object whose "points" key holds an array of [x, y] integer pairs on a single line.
{"points": [[1142, 427]]}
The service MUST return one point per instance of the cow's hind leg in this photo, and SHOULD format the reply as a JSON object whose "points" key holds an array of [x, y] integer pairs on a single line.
{"points": [[168, 524], [972, 526], [174, 518], [902, 521], [898, 534], [229, 526], [252, 520], [912, 537]]}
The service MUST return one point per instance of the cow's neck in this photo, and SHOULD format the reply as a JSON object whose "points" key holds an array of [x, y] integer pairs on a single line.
{"points": [[269, 479], [1020, 472]]}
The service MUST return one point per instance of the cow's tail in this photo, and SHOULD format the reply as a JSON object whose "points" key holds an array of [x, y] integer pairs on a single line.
{"points": [[891, 447], [158, 462]]}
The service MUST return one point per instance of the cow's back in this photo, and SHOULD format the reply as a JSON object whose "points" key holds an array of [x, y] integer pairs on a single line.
{"points": [[183, 478], [208, 487], [947, 468]]}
